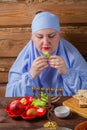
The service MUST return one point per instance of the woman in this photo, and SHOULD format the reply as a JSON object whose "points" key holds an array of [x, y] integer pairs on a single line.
{"points": [[65, 68]]}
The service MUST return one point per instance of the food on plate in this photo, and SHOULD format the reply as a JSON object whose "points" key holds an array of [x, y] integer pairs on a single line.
{"points": [[26, 100], [83, 102], [23, 101], [40, 102], [81, 95], [51, 124], [44, 97], [16, 107], [31, 112], [27, 107]]}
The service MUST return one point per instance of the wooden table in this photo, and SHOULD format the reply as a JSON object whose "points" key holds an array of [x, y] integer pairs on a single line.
{"points": [[8, 123]]}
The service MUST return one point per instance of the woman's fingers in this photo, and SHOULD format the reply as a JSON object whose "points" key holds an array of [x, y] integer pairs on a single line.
{"points": [[58, 63]]}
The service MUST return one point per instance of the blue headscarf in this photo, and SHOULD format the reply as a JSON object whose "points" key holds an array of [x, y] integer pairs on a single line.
{"points": [[45, 20]]}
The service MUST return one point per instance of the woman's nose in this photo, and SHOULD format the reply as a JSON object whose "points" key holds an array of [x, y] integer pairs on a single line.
{"points": [[45, 40]]}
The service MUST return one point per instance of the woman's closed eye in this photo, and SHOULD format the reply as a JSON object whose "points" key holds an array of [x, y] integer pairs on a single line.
{"points": [[51, 35], [39, 36]]}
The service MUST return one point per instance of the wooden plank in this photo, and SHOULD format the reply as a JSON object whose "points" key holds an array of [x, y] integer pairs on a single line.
{"points": [[13, 14], [3, 77], [21, 14], [12, 40], [5, 64], [56, 1], [75, 33], [2, 90], [2, 85], [73, 104], [65, 1], [71, 13]]}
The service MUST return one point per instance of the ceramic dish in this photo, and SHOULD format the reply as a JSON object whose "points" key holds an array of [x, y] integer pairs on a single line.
{"points": [[59, 128], [81, 126], [40, 112], [15, 109], [7, 109], [62, 111]]}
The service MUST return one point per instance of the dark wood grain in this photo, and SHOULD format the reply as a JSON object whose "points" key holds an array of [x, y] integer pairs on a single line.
{"points": [[21, 14]]}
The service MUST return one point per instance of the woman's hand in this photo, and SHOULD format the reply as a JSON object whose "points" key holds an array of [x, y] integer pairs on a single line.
{"points": [[38, 66], [58, 63]]}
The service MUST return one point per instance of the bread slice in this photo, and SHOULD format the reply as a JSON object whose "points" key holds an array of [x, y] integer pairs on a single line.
{"points": [[83, 102], [76, 96], [82, 93], [81, 96]]}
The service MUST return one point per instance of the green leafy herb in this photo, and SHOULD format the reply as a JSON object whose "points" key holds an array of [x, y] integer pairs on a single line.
{"points": [[40, 102], [47, 55], [44, 97]]}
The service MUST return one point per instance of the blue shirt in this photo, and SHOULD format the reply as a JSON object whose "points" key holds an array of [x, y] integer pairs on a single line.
{"points": [[20, 81]]}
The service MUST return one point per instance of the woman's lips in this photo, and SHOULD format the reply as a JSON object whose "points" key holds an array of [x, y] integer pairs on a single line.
{"points": [[45, 48]]}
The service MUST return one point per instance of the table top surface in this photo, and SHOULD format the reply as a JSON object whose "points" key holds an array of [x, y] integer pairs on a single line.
{"points": [[7, 122]]}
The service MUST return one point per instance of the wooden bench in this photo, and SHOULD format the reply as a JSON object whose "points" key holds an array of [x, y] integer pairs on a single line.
{"points": [[15, 23]]}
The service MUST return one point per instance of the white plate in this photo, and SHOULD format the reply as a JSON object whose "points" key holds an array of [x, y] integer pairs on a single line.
{"points": [[59, 128], [64, 128]]}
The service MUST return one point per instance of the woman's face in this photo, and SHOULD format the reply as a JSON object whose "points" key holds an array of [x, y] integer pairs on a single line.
{"points": [[46, 40]]}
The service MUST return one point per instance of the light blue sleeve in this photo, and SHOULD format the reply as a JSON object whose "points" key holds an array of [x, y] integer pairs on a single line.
{"points": [[73, 81], [76, 76], [20, 85], [20, 81]]}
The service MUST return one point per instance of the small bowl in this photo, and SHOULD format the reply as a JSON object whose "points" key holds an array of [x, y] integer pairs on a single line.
{"points": [[62, 111], [81, 126]]}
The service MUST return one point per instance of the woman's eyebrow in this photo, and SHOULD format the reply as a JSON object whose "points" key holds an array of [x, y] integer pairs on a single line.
{"points": [[47, 34], [52, 33]]}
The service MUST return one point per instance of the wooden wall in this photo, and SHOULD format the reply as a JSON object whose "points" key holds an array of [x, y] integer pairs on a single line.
{"points": [[15, 23]]}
